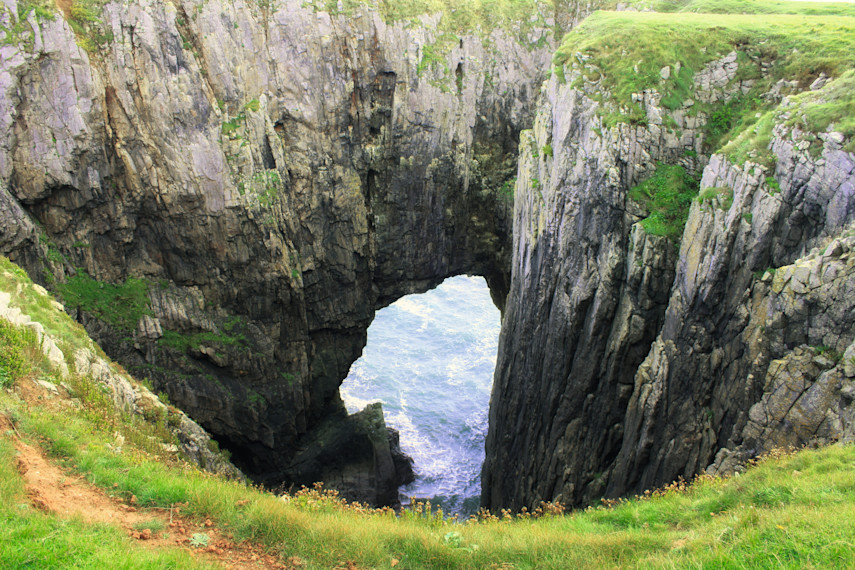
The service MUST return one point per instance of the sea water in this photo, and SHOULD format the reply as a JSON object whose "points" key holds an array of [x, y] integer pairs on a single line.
{"points": [[430, 360]]}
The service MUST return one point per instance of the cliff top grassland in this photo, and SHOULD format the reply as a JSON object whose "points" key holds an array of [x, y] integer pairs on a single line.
{"points": [[740, 7], [616, 56], [457, 17], [788, 510], [625, 53]]}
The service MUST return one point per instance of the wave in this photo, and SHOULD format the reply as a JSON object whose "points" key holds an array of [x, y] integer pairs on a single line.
{"points": [[430, 361]]}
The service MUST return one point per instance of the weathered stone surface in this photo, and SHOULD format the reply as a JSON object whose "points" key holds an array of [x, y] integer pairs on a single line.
{"points": [[127, 396], [48, 345], [357, 455], [712, 354], [807, 393], [277, 174], [587, 297], [563, 424]]}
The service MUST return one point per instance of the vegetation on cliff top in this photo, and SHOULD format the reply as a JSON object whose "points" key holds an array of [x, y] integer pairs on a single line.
{"points": [[472, 16], [832, 106], [739, 7], [83, 16], [525, 20], [625, 53], [666, 197], [787, 511], [615, 56]]}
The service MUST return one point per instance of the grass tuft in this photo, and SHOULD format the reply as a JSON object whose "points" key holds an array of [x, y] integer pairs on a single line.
{"points": [[827, 109], [794, 508], [666, 196], [119, 305]]}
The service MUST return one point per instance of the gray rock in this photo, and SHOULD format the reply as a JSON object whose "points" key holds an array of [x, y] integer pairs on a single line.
{"points": [[277, 175], [270, 173], [357, 455], [699, 381]]}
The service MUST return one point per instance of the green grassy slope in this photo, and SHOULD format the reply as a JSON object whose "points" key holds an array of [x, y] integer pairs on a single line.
{"points": [[741, 7], [614, 56], [627, 50], [788, 511]]}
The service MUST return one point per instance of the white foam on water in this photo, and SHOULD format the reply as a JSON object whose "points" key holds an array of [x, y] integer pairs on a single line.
{"points": [[415, 307], [430, 361], [353, 404]]}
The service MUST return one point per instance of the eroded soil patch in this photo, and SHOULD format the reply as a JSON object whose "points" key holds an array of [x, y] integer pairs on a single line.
{"points": [[54, 490]]}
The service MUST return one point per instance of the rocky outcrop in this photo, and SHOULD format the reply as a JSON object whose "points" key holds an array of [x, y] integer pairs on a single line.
{"points": [[357, 455], [268, 175], [711, 359], [127, 395], [48, 345], [587, 299], [617, 384], [802, 322], [274, 173]]}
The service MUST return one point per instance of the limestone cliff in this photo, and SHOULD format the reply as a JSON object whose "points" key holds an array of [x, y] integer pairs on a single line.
{"points": [[273, 173], [625, 364], [225, 192], [73, 355]]}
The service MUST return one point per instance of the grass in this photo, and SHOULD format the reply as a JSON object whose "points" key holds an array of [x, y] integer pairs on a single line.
{"points": [[479, 18], [32, 539], [790, 510], [625, 51], [832, 107], [153, 525], [41, 308], [720, 196], [743, 7], [753, 142], [83, 16], [787, 511], [181, 342], [19, 29], [16, 359], [666, 196], [229, 335], [119, 305], [829, 108], [473, 16], [763, 514]]}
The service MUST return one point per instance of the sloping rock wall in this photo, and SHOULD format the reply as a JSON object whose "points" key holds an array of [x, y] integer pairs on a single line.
{"points": [[623, 364], [276, 174]]}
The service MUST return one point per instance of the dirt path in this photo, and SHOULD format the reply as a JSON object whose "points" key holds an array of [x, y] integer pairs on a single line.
{"points": [[53, 490]]}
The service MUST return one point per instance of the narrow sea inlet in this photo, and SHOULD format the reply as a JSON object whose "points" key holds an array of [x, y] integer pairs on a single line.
{"points": [[430, 361]]}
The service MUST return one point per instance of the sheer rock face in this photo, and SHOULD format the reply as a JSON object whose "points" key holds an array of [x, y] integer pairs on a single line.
{"points": [[587, 298], [277, 175], [717, 357], [623, 366]]}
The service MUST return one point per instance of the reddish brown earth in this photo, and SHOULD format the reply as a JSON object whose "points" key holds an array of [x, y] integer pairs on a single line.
{"points": [[52, 489]]}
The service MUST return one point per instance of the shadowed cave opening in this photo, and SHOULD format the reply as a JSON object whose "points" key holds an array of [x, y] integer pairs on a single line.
{"points": [[430, 360]]}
